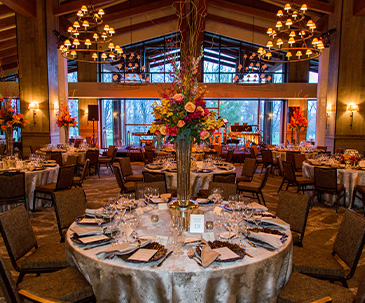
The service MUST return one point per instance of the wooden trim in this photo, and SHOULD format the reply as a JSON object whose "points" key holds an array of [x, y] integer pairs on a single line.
{"points": [[8, 52], [34, 297], [359, 7], [26, 8], [8, 34], [313, 5], [5, 11], [7, 23], [9, 65], [8, 44], [74, 6]]}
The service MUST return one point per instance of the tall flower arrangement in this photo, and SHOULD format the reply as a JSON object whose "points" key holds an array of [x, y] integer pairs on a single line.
{"points": [[298, 122], [8, 117], [64, 119], [182, 113]]}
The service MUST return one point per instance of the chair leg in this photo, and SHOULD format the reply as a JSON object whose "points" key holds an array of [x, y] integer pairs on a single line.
{"points": [[20, 278], [287, 186], [34, 199], [353, 199], [282, 183], [262, 196]]}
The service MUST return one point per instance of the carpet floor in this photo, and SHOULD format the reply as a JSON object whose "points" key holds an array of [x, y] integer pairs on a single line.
{"points": [[321, 229]]}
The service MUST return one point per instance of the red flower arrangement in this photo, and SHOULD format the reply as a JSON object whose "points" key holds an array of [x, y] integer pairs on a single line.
{"points": [[8, 117], [65, 119], [298, 121]]}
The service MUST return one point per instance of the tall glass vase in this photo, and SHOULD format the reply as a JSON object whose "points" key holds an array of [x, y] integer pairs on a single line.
{"points": [[67, 133], [9, 140], [298, 137]]}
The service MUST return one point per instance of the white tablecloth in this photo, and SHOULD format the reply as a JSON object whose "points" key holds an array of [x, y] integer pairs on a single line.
{"points": [[282, 154], [81, 155], [180, 279], [349, 177], [39, 177]]}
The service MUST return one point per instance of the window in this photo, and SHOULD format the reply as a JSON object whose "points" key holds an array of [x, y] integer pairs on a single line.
{"points": [[311, 116], [73, 107], [72, 77]]}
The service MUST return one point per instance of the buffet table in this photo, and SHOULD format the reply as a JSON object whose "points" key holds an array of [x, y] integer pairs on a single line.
{"points": [[180, 279], [198, 180], [349, 177]]}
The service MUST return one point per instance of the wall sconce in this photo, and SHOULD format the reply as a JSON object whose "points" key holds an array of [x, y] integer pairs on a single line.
{"points": [[33, 106], [352, 108], [270, 115]]}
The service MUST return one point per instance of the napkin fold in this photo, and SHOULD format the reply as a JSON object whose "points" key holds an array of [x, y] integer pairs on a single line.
{"points": [[275, 221], [192, 240], [86, 230], [208, 255], [201, 200], [94, 212], [258, 206], [272, 240], [122, 249]]}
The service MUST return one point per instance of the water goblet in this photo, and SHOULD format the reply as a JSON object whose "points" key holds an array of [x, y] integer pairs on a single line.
{"points": [[257, 216]]}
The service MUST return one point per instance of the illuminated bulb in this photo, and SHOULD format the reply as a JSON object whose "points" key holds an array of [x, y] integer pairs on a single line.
{"points": [[111, 45], [269, 31], [315, 41], [309, 23], [287, 7], [288, 55], [76, 33], [106, 27], [95, 56], [280, 13], [292, 34], [299, 54], [85, 24], [308, 52], [84, 8], [295, 14], [260, 50], [288, 23], [112, 56], [79, 13], [274, 33], [279, 24], [76, 42], [73, 53], [103, 35], [67, 43], [76, 24], [313, 26], [101, 12], [119, 49], [302, 33], [279, 42], [304, 8], [87, 43], [269, 44], [61, 47], [320, 45], [96, 16], [268, 55], [70, 29], [104, 56], [291, 41], [111, 31], [95, 36]]}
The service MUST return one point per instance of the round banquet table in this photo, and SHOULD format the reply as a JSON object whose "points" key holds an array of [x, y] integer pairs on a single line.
{"points": [[282, 154], [180, 279], [198, 180], [348, 177], [80, 154], [39, 177]]}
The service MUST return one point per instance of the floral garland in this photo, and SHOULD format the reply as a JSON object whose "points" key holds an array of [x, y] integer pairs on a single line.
{"points": [[8, 117], [65, 119], [298, 121], [182, 114]]}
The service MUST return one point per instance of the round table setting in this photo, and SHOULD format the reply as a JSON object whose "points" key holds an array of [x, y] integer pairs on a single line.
{"points": [[282, 154], [256, 277], [199, 176]]}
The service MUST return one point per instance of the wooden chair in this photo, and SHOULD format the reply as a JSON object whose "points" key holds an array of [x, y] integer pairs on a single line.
{"points": [[34, 148], [289, 176], [125, 187], [65, 285], [248, 170], [322, 148], [77, 181], [293, 209], [69, 204], [12, 189], [108, 160], [57, 156], [127, 171], [78, 142], [224, 178], [348, 246], [255, 188], [64, 181], [255, 155], [21, 243], [325, 181], [230, 155], [299, 158], [72, 160], [150, 155], [93, 156], [227, 188]]}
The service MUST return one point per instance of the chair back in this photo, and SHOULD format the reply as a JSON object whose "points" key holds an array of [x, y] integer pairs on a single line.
{"points": [[142, 185], [34, 148], [57, 156], [2, 149], [290, 156], [72, 160], [299, 158], [293, 208], [228, 189], [322, 148], [267, 156], [153, 177], [85, 169], [211, 153], [7, 284], [266, 176], [110, 151], [224, 178], [255, 150], [17, 233], [125, 166], [119, 178], [252, 152], [12, 187], [78, 142], [360, 295], [325, 179], [69, 204], [143, 158], [350, 239], [150, 155], [218, 149], [65, 177], [339, 151], [230, 155], [289, 172], [93, 156], [280, 164], [248, 169]]}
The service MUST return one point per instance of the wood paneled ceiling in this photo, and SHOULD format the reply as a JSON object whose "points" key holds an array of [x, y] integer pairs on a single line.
{"points": [[149, 13]]}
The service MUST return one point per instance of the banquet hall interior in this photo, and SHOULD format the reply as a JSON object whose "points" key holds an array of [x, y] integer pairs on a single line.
{"points": [[182, 151]]}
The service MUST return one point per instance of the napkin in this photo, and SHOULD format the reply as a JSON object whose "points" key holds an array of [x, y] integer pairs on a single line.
{"points": [[201, 200], [256, 205], [86, 230], [165, 197], [272, 240], [208, 255], [192, 240], [94, 212], [275, 221], [224, 167], [227, 235], [147, 209], [120, 249]]}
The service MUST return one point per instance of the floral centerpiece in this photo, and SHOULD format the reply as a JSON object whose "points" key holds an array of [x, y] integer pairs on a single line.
{"points": [[182, 118], [350, 159], [298, 122], [65, 120], [9, 120]]}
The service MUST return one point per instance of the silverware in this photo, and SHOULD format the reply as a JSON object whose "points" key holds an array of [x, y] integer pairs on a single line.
{"points": [[163, 260], [249, 242], [191, 255], [251, 256]]}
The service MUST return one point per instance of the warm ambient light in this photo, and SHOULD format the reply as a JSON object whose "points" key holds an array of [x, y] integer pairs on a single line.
{"points": [[352, 108], [33, 106]]}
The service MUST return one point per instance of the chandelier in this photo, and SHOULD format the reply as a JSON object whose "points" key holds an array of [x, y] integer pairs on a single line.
{"points": [[294, 35]]}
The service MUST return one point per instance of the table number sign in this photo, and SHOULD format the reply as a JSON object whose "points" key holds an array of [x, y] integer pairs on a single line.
{"points": [[197, 223], [162, 240]]}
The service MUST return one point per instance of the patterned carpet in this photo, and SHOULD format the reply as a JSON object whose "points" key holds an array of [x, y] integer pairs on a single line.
{"points": [[321, 230]]}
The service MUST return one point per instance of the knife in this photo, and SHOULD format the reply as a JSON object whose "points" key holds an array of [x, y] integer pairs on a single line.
{"points": [[163, 260]]}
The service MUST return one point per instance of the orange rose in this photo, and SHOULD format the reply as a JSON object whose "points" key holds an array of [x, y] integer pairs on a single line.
{"points": [[163, 130], [190, 107], [181, 123], [199, 108]]}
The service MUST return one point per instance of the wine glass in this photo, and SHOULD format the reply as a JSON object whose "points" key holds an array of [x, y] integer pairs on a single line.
{"points": [[257, 216]]}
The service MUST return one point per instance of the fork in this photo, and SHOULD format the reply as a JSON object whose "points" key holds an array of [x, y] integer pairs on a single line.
{"points": [[191, 255]]}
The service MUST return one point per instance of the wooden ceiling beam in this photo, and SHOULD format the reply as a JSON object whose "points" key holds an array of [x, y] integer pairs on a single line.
{"points": [[8, 44], [9, 66], [74, 6], [8, 52], [243, 9], [313, 5], [26, 8], [143, 25], [111, 15], [7, 23], [8, 60], [359, 8], [8, 34], [5, 11]]}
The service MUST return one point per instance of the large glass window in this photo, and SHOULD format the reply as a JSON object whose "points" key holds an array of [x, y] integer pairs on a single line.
{"points": [[311, 116], [73, 107]]}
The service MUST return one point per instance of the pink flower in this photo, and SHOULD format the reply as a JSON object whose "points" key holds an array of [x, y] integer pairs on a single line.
{"points": [[190, 107], [172, 131], [178, 97], [181, 123], [204, 134], [157, 132], [206, 112]]}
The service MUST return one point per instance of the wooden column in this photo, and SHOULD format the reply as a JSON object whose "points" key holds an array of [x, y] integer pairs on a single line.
{"points": [[38, 79]]}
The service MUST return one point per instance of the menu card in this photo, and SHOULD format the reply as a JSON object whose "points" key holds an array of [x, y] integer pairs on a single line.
{"points": [[92, 239], [87, 221], [143, 254], [225, 253]]}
